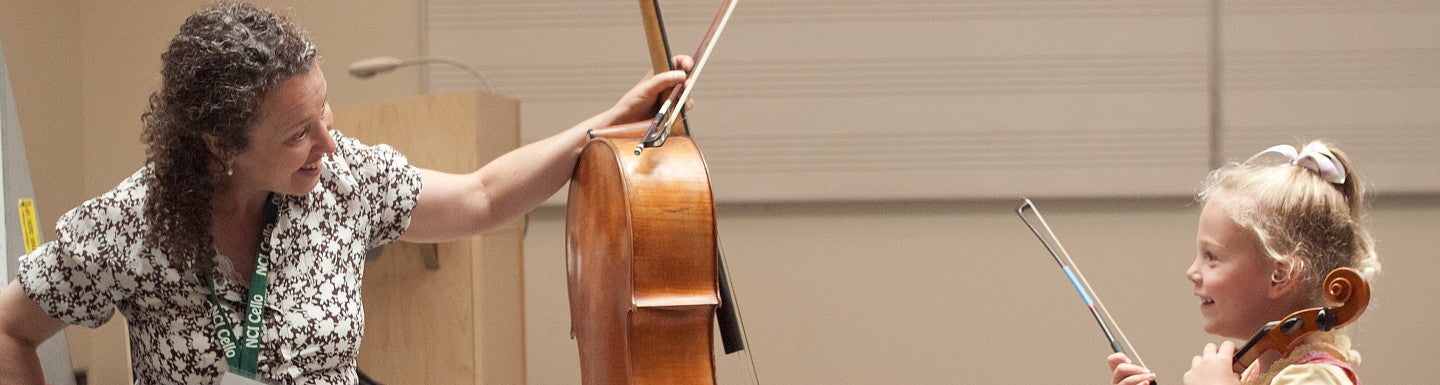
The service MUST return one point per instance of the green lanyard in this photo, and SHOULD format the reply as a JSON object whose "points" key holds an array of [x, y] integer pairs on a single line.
{"points": [[245, 361]]}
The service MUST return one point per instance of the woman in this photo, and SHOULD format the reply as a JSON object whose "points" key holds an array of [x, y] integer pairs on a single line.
{"points": [[239, 246]]}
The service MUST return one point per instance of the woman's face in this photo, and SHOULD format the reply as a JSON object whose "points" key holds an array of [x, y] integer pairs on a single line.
{"points": [[289, 138], [1232, 276]]}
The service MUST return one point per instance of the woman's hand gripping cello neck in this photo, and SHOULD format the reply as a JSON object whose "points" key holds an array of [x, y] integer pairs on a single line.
{"points": [[458, 205]]}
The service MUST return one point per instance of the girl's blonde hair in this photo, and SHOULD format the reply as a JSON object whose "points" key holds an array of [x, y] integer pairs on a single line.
{"points": [[1298, 216]]}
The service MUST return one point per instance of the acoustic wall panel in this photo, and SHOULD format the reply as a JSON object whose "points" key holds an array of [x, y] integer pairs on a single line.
{"points": [[1363, 76], [939, 99]]}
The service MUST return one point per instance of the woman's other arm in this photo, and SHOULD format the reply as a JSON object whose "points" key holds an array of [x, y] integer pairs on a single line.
{"points": [[23, 327]]}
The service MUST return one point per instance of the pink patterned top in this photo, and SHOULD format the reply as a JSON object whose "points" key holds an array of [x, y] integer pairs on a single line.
{"points": [[1325, 359]]}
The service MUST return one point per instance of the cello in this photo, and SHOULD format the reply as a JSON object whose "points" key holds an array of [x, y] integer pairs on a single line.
{"points": [[644, 273]]}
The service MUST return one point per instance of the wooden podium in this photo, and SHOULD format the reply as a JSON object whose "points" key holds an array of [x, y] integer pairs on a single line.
{"points": [[451, 313]]}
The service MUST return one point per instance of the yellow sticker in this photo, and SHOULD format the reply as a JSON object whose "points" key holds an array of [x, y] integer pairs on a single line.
{"points": [[28, 224]]}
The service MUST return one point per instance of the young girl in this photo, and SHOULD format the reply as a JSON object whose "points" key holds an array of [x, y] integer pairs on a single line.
{"points": [[1269, 233]]}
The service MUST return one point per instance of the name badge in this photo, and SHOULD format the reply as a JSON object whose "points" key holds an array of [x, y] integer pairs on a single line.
{"points": [[235, 379]]}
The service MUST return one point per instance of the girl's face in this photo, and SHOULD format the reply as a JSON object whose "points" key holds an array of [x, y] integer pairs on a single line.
{"points": [[1232, 276]]}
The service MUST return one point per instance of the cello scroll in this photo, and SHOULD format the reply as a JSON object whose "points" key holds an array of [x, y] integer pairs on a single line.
{"points": [[1344, 286]]}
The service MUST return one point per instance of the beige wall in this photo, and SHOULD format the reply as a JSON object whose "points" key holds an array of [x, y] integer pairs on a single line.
{"points": [[855, 293], [42, 46], [962, 293]]}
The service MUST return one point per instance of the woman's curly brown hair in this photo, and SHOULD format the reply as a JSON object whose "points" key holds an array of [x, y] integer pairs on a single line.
{"points": [[216, 71]]}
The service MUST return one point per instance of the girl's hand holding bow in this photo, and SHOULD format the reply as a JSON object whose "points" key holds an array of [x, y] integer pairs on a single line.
{"points": [[1127, 373]]}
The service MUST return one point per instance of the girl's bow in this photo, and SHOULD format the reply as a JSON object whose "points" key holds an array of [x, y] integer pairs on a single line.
{"points": [[1315, 157]]}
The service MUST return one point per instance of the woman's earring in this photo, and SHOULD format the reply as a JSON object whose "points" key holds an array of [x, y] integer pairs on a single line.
{"points": [[1277, 277], [230, 167]]}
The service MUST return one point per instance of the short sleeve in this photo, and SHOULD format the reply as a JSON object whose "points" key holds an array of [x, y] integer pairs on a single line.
{"points": [[1311, 374], [385, 180], [81, 276]]}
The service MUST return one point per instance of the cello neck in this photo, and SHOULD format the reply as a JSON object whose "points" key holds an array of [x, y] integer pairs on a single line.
{"points": [[659, 47], [658, 43]]}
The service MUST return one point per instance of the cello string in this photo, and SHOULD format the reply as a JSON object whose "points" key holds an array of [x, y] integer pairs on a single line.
{"points": [[749, 359], [1068, 264]]}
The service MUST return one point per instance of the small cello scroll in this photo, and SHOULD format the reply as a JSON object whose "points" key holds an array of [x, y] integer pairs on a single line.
{"points": [[1344, 286]]}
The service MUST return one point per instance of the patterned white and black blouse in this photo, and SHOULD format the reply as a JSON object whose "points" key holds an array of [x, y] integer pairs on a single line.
{"points": [[313, 319]]}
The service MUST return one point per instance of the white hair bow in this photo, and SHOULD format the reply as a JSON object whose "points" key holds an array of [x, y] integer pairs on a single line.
{"points": [[1315, 157]]}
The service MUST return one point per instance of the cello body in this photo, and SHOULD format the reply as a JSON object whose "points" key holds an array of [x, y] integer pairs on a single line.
{"points": [[642, 263], [642, 255]]}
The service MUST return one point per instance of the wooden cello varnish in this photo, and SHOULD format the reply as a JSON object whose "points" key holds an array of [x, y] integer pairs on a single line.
{"points": [[642, 254]]}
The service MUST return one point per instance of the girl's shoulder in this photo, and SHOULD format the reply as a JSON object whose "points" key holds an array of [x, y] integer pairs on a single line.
{"points": [[1325, 358], [1317, 367]]}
